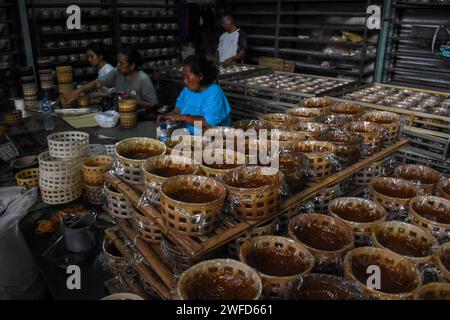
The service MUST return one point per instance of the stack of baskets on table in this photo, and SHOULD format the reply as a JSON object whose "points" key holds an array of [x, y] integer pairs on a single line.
{"points": [[60, 168], [64, 76], [128, 114], [94, 168], [13, 118], [29, 87], [46, 74]]}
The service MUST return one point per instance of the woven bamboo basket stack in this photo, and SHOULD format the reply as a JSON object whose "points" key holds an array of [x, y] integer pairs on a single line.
{"points": [[45, 74], [128, 114], [29, 87], [13, 118], [64, 75], [94, 168], [60, 169]]}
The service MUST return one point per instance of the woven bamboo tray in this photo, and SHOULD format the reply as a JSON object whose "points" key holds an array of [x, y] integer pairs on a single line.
{"points": [[128, 120], [320, 104], [61, 196], [13, 118], [192, 219], [117, 205], [268, 254], [254, 203], [433, 291], [327, 238], [407, 240], [131, 169], [442, 261], [127, 106], [230, 158], [222, 279], [431, 213], [147, 228], [281, 120], [443, 188], [52, 166], [424, 178], [363, 177], [393, 194], [94, 194], [371, 133], [68, 144], [153, 181], [305, 114], [361, 215], [393, 267], [389, 120], [94, 168], [28, 177]]}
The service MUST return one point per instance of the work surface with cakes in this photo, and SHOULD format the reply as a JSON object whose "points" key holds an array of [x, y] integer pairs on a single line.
{"points": [[188, 228]]}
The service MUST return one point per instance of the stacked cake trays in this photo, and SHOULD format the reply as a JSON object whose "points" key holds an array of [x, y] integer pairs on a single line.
{"points": [[46, 76], [60, 168], [29, 87]]}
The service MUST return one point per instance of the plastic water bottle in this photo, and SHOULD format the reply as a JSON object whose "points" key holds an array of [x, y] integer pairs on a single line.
{"points": [[46, 109], [162, 132]]}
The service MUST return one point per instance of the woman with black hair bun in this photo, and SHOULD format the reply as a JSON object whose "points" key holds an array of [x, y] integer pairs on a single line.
{"points": [[202, 101]]}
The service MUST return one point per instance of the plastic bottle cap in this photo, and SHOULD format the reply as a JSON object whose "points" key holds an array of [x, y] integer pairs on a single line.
{"points": [[163, 125]]}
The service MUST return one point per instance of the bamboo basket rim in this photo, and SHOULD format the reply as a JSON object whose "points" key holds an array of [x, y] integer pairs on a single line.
{"points": [[309, 258], [374, 128], [342, 224], [347, 264], [368, 117], [217, 171], [402, 181], [196, 268], [423, 232], [166, 157], [353, 105], [28, 176], [234, 189], [107, 163], [422, 168], [327, 100], [222, 190], [304, 112], [434, 198], [431, 286], [361, 200], [137, 161]]}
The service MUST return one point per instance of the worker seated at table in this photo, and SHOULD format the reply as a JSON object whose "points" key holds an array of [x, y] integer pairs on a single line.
{"points": [[125, 77], [98, 58], [202, 99]]}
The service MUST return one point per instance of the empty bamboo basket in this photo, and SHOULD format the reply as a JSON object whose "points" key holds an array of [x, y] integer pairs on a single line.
{"points": [[254, 192], [68, 144], [327, 238], [192, 205], [431, 213], [114, 260], [400, 277], [360, 214], [28, 177], [219, 279], [424, 178], [393, 194], [94, 168], [278, 260], [389, 120]]}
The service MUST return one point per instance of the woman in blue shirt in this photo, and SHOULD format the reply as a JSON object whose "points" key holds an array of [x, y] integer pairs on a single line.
{"points": [[201, 101]]}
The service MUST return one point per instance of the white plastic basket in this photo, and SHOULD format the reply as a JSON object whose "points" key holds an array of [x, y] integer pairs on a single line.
{"points": [[68, 144], [51, 166], [61, 196], [107, 119]]}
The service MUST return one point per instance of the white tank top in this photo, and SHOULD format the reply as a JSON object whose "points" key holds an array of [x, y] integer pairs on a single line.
{"points": [[228, 45]]}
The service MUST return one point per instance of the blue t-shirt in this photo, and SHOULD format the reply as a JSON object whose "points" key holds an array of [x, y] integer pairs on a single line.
{"points": [[211, 104]]}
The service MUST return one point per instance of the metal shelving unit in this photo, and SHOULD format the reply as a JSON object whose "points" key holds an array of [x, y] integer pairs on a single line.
{"points": [[410, 60], [274, 28]]}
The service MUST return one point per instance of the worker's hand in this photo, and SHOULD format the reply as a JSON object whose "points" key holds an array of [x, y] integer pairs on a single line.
{"points": [[228, 62], [70, 97], [175, 117]]}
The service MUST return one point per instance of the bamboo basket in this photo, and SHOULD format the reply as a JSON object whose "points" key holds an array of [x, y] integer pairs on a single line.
{"points": [[116, 262], [275, 253], [94, 169], [317, 286], [53, 167], [94, 194], [192, 219], [13, 118], [148, 229], [413, 240], [185, 146], [174, 257], [441, 260], [222, 279], [431, 213], [393, 267], [352, 111], [117, 205], [154, 181], [371, 133], [224, 156], [96, 149], [131, 170], [347, 145], [254, 203], [363, 177], [127, 106], [28, 177], [433, 291], [424, 178], [361, 215], [281, 121], [327, 238], [443, 188], [294, 166], [267, 229], [61, 196], [3, 129], [320, 156], [389, 120], [57, 182], [319, 104], [304, 114], [128, 120], [393, 194], [68, 144], [322, 198], [287, 138], [311, 129]]}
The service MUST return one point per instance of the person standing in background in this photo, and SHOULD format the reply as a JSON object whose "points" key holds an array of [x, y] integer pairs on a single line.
{"points": [[232, 43]]}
